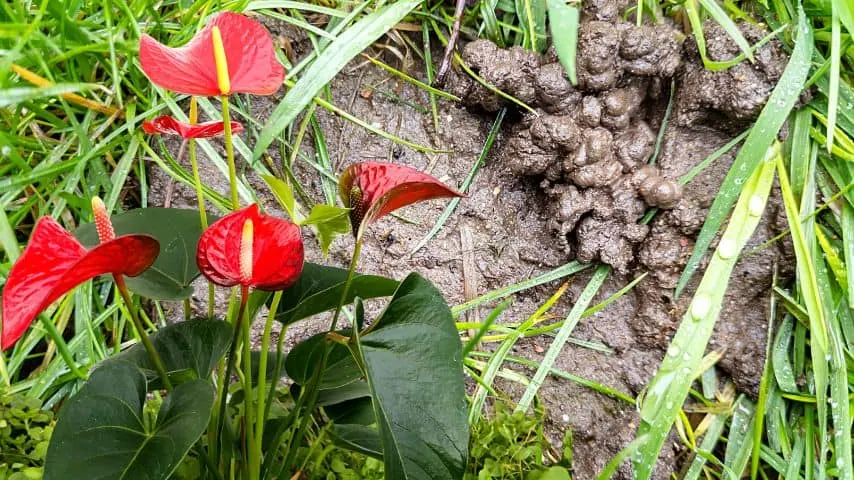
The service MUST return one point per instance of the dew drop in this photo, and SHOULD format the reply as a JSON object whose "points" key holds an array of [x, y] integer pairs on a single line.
{"points": [[686, 370], [756, 206], [700, 306], [673, 351], [727, 248], [668, 405]]}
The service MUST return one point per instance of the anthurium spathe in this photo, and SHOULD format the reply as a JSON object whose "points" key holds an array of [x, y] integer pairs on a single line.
{"points": [[246, 54], [54, 262], [251, 249], [171, 126], [374, 189]]}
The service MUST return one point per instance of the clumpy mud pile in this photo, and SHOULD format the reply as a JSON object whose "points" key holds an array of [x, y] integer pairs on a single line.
{"points": [[591, 145], [567, 183]]}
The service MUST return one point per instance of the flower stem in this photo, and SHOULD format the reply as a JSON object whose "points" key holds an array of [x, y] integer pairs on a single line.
{"points": [[200, 194], [229, 153], [261, 416], [314, 385], [232, 357], [143, 335], [254, 460]]}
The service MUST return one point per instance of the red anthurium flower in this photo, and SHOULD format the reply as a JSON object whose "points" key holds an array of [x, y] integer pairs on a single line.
{"points": [[251, 249], [374, 189], [54, 262], [246, 53], [172, 126]]}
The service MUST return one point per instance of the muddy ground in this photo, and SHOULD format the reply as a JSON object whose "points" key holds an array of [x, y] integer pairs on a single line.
{"points": [[560, 185]]}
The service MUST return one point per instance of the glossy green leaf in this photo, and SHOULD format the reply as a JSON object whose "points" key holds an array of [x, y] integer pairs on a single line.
{"points": [[194, 346], [359, 438], [337, 54], [319, 289], [564, 23], [301, 363], [413, 363], [178, 231], [103, 433], [329, 221], [359, 411]]}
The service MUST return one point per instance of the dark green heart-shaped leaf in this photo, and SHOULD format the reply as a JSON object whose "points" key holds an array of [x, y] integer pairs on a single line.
{"points": [[178, 231], [359, 411], [189, 350], [359, 438], [302, 361], [413, 361], [102, 432], [319, 289]]}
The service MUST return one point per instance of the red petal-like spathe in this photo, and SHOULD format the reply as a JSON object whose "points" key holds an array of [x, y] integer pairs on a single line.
{"points": [[54, 262], [277, 251], [172, 126], [374, 189], [191, 69]]}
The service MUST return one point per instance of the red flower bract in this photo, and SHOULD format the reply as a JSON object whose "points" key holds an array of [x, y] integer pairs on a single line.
{"points": [[172, 126], [191, 69], [54, 262], [276, 251], [374, 189]]}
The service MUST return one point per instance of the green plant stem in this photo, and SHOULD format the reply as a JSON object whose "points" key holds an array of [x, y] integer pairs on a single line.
{"points": [[261, 416], [61, 347], [200, 194], [229, 153], [143, 335], [313, 387], [224, 380], [252, 446]]}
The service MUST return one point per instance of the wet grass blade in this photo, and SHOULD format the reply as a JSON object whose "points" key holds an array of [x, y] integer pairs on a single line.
{"points": [[723, 19], [336, 55], [452, 205], [763, 133], [494, 366], [569, 324], [710, 440], [835, 63], [570, 268], [563, 23], [16, 95], [808, 286], [739, 443], [669, 388]]}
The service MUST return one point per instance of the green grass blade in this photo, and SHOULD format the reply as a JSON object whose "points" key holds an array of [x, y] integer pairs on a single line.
{"points": [[669, 388], [349, 44], [16, 95], [739, 442], [569, 324], [710, 440], [763, 133], [494, 365], [570, 268], [808, 286], [723, 19], [835, 63], [564, 23]]}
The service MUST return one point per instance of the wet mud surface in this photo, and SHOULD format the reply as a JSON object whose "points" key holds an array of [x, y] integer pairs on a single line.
{"points": [[569, 182]]}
